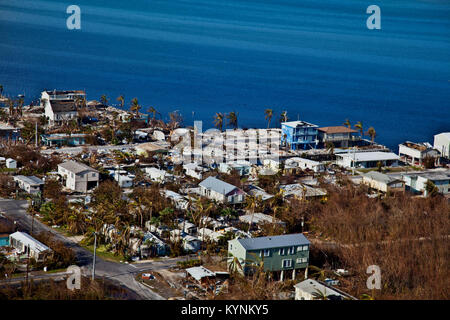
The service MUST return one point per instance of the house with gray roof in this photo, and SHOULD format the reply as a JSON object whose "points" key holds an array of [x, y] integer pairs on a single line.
{"points": [[310, 289], [24, 244], [30, 184], [382, 182], [284, 253], [221, 191], [78, 176]]}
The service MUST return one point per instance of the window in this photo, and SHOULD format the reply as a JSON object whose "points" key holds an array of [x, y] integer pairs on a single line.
{"points": [[266, 252], [282, 252], [287, 263], [93, 174], [302, 260], [305, 248], [291, 250], [231, 247]]}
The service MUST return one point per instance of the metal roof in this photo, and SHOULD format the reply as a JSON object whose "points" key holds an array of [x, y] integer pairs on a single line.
{"points": [[28, 240], [381, 177], [76, 167], [31, 180], [200, 272], [370, 156], [311, 286], [217, 185], [295, 239]]}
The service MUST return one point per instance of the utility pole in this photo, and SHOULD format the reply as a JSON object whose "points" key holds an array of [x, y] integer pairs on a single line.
{"points": [[28, 263], [95, 249], [36, 134], [32, 217]]}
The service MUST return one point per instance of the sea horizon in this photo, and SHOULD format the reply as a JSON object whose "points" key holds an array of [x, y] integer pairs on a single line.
{"points": [[317, 61]]}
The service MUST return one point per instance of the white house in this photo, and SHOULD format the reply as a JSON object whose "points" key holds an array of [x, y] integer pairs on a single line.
{"points": [[61, 105], [78, 176], [206, 234], [271, 164], [415, 153], [30, 184], [442, 144], [221, 191], [158, 175], [25, 244], [417, 182], [382, 182], [368, 159], [11, 163], [194, 170], [304, 164], [310, 289], [180, 202], [123, 178], [190, 243]]}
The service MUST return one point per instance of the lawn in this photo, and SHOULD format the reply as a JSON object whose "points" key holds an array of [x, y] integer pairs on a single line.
{"points": [[105, 254]]}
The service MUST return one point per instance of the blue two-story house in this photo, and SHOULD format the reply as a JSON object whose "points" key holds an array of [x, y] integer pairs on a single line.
{"points": [[299, 135]]}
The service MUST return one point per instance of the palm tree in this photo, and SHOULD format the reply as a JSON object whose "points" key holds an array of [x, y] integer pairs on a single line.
{"points": [[218, 121], [121, 100], [320, 295], [104, 99], [359, 126], [330, 147], [284, 117], [317, 273], [135, 106], [152, 111], [371, 133], [268, 117], [347, 123], [232, 119], [251, 204]]}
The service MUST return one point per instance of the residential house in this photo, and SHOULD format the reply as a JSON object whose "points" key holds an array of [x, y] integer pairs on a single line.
{"points": [[194, 170], [153, 246], [303, 191], [26, 244], [189, 242], [206, 234], [415, 153], [339, 136], [310, 289], [61, 105], [180, 202], [368, 159], [221, 191], [158, 175], [383, 182], [417, 182], [11, 163], [279, 253], [63, 139], [442, 144], [258, 192], [272, 164], [299, 135], [30, 184], [304, 164], [78, 176], [258, 219], [241, 166]]}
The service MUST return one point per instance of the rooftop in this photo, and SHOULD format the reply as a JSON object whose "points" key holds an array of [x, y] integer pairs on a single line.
{"points": [[312, 286], [381, 177], [28, 240], [31, 180], [200, 272], [295, 124], [75, 167], [370, 156], [63, 106], [217, 185], [296, 239], [337, 129]]}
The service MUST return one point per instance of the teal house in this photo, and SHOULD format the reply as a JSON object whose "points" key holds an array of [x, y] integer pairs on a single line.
{"points": [[279, 254]]}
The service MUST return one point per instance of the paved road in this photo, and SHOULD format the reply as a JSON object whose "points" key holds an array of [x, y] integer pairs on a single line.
{"points": [[122, 273]]}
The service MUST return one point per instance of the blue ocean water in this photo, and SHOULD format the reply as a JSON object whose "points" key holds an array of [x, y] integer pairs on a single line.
{"points": [[315, 59]]}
